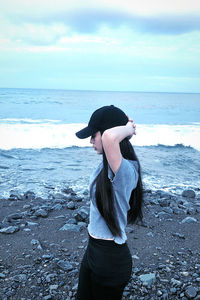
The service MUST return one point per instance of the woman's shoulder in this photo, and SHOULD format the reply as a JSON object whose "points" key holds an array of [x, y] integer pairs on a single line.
{"points": [[127, 169], [133, 163]]}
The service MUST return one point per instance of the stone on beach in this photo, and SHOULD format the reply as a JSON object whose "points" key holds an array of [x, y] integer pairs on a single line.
{"points": [[71, 205], [36, 243], [14, 216], [82, 214], [71, 227], [9, 229], [64, 265], [189, 194], [20, 278], [191, 292], [189, 220], [29, 195], [41, 213], [148, 278]]}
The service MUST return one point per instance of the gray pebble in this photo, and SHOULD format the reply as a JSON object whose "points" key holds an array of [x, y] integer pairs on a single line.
{"points": [[71, 205], [189, 220], [188, 194], [9, 229], [71, 227], [64, 265], [191, 292]]}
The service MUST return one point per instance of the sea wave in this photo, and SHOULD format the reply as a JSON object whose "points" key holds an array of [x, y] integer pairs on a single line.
{"points": [[53, 134], [27, 121]]}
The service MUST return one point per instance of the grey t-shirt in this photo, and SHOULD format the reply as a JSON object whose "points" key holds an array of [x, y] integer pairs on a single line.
{"points": [[123, 182]]}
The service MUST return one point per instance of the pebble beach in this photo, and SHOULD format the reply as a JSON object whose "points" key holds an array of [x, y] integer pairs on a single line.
{"points": [[43, 241]]}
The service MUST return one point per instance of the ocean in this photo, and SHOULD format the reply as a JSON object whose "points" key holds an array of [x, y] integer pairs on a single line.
{"points": [[39, 150]]}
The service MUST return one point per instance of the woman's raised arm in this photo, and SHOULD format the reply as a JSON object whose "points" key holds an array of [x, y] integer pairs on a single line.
{"points": [[111, 139]]}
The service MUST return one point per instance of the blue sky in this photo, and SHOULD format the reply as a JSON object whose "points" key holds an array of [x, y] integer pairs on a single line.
{"points": [[100, 45]]}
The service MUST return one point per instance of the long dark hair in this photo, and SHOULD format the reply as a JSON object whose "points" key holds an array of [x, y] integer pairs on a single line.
{"points": [[104, 192]]}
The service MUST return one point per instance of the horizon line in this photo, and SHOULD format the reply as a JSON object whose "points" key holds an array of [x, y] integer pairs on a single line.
{"points": [[98, 91]]}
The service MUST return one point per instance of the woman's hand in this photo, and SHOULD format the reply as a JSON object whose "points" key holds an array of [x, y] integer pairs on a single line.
{"points": [[131, 128]]}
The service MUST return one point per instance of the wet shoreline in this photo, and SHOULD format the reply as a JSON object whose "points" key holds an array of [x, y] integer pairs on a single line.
{"points": [[170, 169]]}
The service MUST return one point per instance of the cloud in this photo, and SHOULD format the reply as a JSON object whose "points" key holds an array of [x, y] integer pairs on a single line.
{"points": [[35, 34], [43, 23], [90, 20]]}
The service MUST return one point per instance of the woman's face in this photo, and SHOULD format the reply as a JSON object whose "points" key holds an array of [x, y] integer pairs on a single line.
{"points": [[97, 142]]}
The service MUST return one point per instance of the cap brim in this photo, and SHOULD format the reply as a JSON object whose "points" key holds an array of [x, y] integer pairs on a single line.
{"points": [[85, 132]]}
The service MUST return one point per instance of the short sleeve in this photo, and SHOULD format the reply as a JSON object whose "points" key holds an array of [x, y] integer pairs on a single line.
{"points": [[126, 177]]}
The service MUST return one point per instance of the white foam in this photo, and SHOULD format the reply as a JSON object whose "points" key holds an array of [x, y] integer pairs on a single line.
{"points": [[27, 120], [50, 134], [169, 135]]}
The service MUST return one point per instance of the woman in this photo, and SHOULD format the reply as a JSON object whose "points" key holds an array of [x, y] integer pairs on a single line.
{"points": [[116, 198]]}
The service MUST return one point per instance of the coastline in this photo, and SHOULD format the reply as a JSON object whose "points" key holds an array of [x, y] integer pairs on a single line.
{"points": [[168, 168], [43, 241]]}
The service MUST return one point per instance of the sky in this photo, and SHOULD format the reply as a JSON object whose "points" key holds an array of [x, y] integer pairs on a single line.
{"points": [[105, 45]]}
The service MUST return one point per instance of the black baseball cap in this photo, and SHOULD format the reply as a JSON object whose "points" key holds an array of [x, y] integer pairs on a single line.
{"points": [[103, 118]]}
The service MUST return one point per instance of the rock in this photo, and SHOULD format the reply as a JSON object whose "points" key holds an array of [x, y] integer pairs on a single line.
{"points": [[29, 195], [14, 216], [50, 277], [86, 192], [48, 297], [82, 224], [32, 224], [177, 211], [47, 256], [81, 215], [189, 194], [75, 198], [190, 292], [163, 214], [58, 206], [163, 202], [129, 229], [67, 191], [173, 291], [71, 205], [148, 278], [27, 229], [14, 196], [135, 257], [190, 211], [36, 243], [41, 213], [150, 234], [175, 282], [64, 265], [168, 210], [153, 201], [9, 229], [176, 234], [2, 276], [71, 221], [163, 194], [58, 197], [20, 278], [53, 287], [188, 220], [71, 227]]}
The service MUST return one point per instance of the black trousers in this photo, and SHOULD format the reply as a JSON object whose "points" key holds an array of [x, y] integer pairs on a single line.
{"points": [[105, 271]]}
